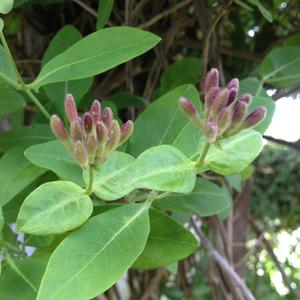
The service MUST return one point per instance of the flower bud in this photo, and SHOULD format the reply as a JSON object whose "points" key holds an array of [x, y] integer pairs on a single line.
{"points": [[126, 131], [224, 120], [247, 98], [239, 113], [58, 128], [210, 98], [210, 132], [80, 154], [91, 144], [76, 132], [233, 83], [189, 110], [114, 135], [211, 80], [254, 118], [232, 95], [107, 116], [70, 108], [102, 132], [218, 103], [95, 111], [87, 122]]}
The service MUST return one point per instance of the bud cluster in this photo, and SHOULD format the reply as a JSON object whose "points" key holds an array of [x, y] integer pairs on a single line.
{"points": [[93, 136], [224, 113]]}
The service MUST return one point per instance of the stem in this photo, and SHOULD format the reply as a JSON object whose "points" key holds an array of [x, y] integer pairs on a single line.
{"points": [[21, 82], [89, 188], [200, 162]]}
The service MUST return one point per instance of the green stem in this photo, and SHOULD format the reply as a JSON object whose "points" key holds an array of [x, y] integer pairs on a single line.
{"points": [[21, 82], [200, 162], [89, 188]]}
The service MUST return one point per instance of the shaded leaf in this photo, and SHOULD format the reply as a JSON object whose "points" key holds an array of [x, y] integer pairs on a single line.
{"points": [[10, 101], [104, 10]]}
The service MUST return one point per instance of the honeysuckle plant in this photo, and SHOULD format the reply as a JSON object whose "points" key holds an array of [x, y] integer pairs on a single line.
{"points": [[85, 243]]}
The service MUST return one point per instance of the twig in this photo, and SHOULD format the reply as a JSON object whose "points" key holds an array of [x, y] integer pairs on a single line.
{"points": [[86, 7], [223, 264]]}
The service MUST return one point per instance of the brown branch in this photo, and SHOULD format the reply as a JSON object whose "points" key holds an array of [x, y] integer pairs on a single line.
{"points": [[269, 248], [293, 145]]}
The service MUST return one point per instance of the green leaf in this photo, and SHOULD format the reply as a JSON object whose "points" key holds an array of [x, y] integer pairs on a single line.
{"points": [[111, 182], [206, 199], [167, 243], [162, 122], [102, 250], [236, 154], [1, 29], [95, 54], [7, 73], [16, 172], [54, 156], [164, 168], [186, 70], [53, 208], [281, 67], [104, 10], [6, 6], [22, 282], [125, 99], [10, 101], [64, 39], [260, 98], [25, 136], [265, 13]]}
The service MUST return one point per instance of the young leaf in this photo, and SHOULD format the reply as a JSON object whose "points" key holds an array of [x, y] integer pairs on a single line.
{"points": [[167, 243], [25, 136], [95, 54], [54, 207], [164, 168], [54, 156], [91, 259], [6, 6], [111, 181], [206, 199], [162, 122], [10, 101], [22, 282], [104, 10], [16, 172], [7, 73]]}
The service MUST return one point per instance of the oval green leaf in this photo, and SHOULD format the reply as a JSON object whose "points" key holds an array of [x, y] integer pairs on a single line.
{"points": [[10, 101], [91, 259], [167, 243], [6, 6], [96, 53], [53, 208]]}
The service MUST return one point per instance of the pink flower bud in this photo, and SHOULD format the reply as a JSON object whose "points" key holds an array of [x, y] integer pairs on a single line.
{"points": [[70, 108], [210, 98], [80, 154], [211, 80], [87, 122], [255, 117], [210, 132], [219, 102], [239, 113], [247, 98], [232, 95], [233, 83], [102, 132], [95, 111], [224, 120], [58, 128], [126, 131], [76, 132], [91, 144], [114, 135], [107, 116], [189, 110]]}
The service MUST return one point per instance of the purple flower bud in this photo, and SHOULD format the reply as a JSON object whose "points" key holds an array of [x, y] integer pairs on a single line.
{"points": [[76, 131], [107, 116], [224, 120], [247, 98], [96, 111], [233, 83], [211, 80], [210, 132], [80, 154], [189, 110], [218, 103], [126, 131], [87, 122], [102, 132], [91, 144], [58, 128], [255, 117], [70, 108], [210, 98], [114, 135], [232, 95], [239, 113]]}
